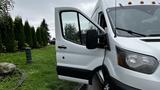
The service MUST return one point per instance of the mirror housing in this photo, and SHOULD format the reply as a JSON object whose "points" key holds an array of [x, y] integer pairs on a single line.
{"points": [[91, 39]]}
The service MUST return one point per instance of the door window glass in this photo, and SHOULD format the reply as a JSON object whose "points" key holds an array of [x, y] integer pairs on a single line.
{"points": [[70, 27], [102, 21], [75, 27], [85, 25]]}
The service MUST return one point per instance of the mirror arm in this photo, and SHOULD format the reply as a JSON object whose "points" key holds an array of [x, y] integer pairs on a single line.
{"points": [[104, 41]]}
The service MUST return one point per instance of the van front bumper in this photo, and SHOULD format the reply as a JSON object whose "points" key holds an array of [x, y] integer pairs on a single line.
{"points": [[137, 81], [122, 86]]}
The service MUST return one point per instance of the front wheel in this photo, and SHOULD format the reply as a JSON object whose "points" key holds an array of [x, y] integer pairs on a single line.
{"points": [[96, 85]]}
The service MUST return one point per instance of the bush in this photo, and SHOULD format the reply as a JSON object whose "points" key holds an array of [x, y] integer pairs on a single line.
{"points": [[16, 45], [38, 45]]}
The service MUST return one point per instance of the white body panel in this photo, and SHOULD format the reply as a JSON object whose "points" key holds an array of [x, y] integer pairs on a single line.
{"points": [[132, 78]]}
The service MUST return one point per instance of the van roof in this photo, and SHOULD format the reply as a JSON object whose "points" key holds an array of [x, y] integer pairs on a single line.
{"points": [[105, 4], [112, 3]]}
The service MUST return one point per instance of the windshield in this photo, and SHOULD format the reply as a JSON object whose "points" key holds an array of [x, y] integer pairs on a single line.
{"points": [[144, 19]]}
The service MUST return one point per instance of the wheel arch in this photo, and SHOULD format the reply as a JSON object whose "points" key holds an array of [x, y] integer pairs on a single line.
{"points": [[105, 72]]}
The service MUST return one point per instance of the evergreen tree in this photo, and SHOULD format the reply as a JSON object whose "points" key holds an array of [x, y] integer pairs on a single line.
{"points": [[28, 34], [19, 32], [43, 37], [39, 38], [70, 33], [0, 35], [44, 32], [0, 42], [8, 34], [34, 38]]}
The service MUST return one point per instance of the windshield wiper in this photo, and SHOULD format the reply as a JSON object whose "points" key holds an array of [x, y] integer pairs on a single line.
{"points": [[130, 32]]}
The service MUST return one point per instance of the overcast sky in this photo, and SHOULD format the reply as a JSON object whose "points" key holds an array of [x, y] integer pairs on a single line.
{"points": [[35, 10]]}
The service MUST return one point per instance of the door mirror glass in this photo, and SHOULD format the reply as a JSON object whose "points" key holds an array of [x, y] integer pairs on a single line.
{"points": [[91, 39]]}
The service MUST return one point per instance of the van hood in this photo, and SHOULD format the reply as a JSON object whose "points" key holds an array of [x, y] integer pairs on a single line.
{"points": [[148, 46], [155, 45]]}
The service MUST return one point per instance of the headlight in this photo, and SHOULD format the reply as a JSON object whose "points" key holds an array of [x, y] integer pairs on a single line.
{"points": [[136, 61]]}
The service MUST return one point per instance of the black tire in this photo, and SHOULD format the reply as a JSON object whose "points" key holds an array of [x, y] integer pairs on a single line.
{"points": [[96, 85]]}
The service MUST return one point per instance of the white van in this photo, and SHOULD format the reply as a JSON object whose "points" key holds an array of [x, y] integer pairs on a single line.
{"points": [[120, 44]]}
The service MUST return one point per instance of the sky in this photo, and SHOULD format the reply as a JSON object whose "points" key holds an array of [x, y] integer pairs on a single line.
{"points": [[35, 10]]}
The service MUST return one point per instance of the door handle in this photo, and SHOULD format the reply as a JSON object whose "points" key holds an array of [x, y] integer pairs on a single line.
{"points": [[62, 47]]}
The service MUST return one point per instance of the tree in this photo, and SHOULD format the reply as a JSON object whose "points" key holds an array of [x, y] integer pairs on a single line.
{"points": [[44, 32], [6, 26], [5, 6], [19, 32], [34, 38], [39, 38], [0, 36], [8, 34], [70, 33], [28, 35], [43, 37]]}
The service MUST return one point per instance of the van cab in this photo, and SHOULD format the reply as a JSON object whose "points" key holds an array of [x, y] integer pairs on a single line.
{"points": [[119, 44]]}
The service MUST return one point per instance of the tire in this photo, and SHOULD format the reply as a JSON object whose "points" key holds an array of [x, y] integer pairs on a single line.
{"points": [[96, 85]]}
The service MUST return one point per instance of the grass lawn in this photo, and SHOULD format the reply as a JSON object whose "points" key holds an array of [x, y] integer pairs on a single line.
{"points": [[41, 74]]}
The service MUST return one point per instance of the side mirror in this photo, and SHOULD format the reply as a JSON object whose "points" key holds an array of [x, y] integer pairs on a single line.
{"points": [[91, 39]]}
